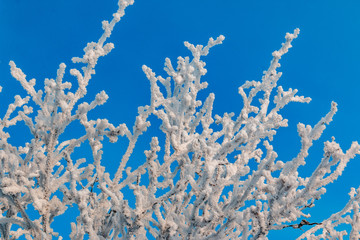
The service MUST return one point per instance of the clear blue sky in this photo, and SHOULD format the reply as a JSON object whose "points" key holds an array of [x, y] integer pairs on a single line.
{"points": [[323, 64]]}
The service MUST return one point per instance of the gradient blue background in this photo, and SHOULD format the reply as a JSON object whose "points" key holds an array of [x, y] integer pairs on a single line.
{"points": [[323, 64]]}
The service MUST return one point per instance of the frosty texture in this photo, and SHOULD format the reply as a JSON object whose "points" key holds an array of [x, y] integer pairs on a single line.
{"points": [[195, 188]]}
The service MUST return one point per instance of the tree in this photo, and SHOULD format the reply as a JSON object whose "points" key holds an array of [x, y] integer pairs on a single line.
{"points": [[199, 184]]}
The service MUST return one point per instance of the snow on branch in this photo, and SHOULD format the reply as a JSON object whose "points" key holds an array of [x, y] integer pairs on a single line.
{"points": [[196, 184]]}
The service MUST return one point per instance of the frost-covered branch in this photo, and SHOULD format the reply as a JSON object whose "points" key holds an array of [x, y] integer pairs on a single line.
{"points": [[349, 215], [196, 184]]}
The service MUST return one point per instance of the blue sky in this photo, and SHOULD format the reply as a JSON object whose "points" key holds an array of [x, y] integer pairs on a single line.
{"points": [[323, 64]]}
